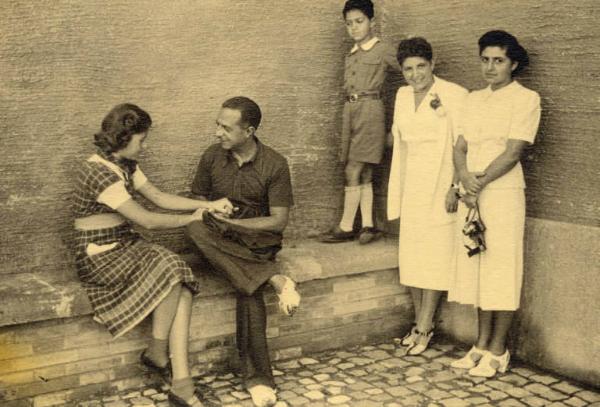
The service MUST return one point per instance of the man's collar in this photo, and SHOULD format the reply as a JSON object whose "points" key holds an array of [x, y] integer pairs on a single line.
{"points": [[366, 46], [231, 156]]}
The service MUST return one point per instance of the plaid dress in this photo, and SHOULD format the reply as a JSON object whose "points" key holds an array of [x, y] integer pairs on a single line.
{"points": [[125, 283]]}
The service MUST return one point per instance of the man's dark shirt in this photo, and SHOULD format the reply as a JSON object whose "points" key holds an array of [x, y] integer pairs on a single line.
{"points": [[260, 183]]}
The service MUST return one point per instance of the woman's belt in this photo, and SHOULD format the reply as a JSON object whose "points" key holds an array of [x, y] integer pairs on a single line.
{"points": [[99, 221], [355, 97]]}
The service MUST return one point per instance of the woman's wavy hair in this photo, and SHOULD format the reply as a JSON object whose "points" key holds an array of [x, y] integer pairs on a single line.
{"points": [[514, 51], [119, 126], [414, 47]]}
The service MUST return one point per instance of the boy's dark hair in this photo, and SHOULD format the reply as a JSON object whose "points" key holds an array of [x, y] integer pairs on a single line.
{"points": [[119, 126], [366, 6], [414, 47], [514, 51], [249, 110]]}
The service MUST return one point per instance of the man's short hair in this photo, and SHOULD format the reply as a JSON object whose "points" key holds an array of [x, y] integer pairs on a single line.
{"points": [[249, 110]]}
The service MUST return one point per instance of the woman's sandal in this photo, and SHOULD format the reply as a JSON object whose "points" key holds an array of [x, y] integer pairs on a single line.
{"points": [[289, 298], [176, 401], [490, 364], [470, 360], [421, 342], [164, 372], [409, 338]]}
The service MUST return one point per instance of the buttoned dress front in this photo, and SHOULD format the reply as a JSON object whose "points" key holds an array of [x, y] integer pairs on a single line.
{"points": [[492, 280], [363, 121], [427, 231]]}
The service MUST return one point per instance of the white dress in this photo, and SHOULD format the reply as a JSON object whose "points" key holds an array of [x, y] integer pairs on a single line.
{"points": [[427, 243], [492, 280]]}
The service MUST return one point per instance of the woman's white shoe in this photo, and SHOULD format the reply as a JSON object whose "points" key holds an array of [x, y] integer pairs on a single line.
{"points": [[420, 344], [470, 360], [289, 298], [262, 396], [410, 337], [490, 364]]}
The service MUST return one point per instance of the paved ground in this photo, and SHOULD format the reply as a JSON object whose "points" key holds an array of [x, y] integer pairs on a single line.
{"points": [[380, 375]]}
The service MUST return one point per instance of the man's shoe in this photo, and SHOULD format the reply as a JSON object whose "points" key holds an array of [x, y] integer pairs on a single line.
{"points": [[289, 298], [369, 234], [262, 396], [337, 235]]}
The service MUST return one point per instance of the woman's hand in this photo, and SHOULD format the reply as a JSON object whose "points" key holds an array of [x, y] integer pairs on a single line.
{"points": [[451, 200], [470, 200], [197, 215], [471, 181], [222, 206]]}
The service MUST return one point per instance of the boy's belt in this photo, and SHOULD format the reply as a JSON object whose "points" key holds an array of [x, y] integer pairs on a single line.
{"points": [[355, 97]]}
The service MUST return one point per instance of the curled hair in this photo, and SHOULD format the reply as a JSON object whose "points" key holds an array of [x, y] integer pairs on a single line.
{"points": [[366, 6], [119, 126], [514, 51], [414, 47], [249, 110]]}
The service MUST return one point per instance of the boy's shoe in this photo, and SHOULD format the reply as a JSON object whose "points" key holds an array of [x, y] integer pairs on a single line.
{"points": [[369, 234], [337, 235]]}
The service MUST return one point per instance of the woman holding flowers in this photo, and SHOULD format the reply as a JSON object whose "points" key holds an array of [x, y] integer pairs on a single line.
{"points": [[424, 118]]}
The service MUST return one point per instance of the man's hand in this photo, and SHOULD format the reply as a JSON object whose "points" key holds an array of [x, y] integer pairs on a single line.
{"points": [[470, 200], [222, 206], [471, 181]]}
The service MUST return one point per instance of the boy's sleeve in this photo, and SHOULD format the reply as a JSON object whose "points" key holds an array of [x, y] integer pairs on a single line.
{"points": [[389, 56]]}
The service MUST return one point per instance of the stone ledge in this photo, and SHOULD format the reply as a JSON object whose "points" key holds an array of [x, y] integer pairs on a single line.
{"points": [[29, 297]]}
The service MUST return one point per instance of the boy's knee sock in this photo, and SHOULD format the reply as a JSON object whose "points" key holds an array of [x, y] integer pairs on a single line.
{"points": [[351, 202], [366, 204]]}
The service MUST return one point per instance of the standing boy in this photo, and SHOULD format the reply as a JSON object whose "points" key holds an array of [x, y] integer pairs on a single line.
{"points": [[363, 127]]}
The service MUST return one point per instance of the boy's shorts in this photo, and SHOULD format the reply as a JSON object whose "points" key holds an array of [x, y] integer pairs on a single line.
{"points": [[363, 131]]}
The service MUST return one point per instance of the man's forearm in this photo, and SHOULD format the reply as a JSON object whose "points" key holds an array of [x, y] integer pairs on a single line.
{"points": [[268, 223]]}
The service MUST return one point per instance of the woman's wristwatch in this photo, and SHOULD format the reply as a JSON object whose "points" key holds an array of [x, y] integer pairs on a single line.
{"points": [[456, 188]]}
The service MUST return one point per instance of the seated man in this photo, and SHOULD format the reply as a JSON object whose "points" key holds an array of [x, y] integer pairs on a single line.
{"points": [[242, 247]]}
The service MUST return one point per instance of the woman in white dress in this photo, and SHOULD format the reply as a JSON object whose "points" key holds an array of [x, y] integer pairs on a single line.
{"points": [[424, 118], [499, 122]]}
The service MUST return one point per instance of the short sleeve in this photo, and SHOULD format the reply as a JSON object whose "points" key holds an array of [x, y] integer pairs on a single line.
{"points": [[280, 188], [525, 118], [114, 196], [138, 178], [457, 110], [390, 58], [202, 185]]}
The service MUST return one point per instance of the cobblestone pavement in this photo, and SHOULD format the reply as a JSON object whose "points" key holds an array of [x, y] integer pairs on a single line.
{"points": [[380, 375]]}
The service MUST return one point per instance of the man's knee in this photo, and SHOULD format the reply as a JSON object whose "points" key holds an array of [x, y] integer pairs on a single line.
{"points": [[197, 231]]}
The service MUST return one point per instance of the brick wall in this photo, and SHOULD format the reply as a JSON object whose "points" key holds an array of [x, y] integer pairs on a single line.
{"points": [[52, 362], [65, 64]]}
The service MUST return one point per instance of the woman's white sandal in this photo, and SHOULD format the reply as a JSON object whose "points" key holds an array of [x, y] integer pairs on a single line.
{"points": [[289, 298], [421, 342], [470, 360], [490, 364]]}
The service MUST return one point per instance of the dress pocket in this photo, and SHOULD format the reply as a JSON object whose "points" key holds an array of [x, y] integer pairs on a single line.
{"points": [[93, 249]]}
